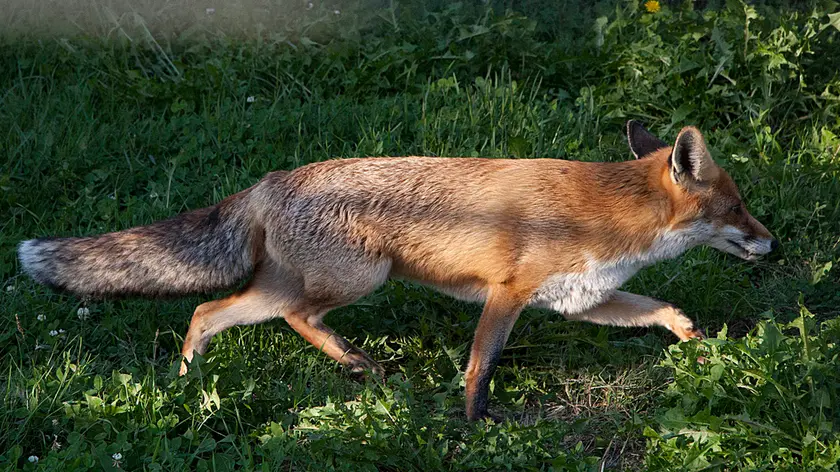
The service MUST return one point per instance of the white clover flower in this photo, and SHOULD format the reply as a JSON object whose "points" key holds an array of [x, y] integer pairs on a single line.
{"points": [[209, 11], [309, 6], [117, 456], [61, 331], [251, 99], [10, 288], [53, 333], [83, 313], [337, 12], [33, 459], [41, 317]]}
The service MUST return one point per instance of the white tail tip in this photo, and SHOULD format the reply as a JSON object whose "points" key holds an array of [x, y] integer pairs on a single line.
{"points": [[29, 254]]}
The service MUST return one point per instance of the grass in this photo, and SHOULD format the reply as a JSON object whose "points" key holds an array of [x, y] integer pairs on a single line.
{"points": [[134, 118]]}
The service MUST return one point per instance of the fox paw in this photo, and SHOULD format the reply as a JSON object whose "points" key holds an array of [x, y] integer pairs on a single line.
{"points": [[365, 367], [486, 415], [690, 332], [696, 333]]}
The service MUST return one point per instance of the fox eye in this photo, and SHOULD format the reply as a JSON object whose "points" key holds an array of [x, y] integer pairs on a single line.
{"points": [[736, 209]]}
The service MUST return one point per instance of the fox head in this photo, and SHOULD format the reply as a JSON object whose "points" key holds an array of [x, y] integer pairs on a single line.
{"points": [[703, 195]]}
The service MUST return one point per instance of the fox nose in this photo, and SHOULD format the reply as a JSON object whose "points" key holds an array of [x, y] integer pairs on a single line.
{"points": [[774, 244]]}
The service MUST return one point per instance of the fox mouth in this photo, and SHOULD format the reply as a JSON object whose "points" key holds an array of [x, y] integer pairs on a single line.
{"points": [[743, 252]]}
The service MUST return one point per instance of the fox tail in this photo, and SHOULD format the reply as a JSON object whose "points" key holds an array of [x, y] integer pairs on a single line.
{"points": [[203, 250]]}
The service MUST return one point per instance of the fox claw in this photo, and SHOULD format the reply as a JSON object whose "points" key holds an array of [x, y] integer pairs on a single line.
{"points": [[496, 419], [365, 368]]}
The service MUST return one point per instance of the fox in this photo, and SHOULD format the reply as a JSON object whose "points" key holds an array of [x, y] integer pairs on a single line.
{"points": [[554, 234]]}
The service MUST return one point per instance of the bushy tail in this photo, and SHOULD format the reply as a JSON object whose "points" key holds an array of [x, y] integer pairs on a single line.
{"points": [[203, 250]]}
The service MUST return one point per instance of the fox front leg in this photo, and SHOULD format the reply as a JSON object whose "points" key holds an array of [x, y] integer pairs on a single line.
{"points": [[502, 308], [631, 310]]}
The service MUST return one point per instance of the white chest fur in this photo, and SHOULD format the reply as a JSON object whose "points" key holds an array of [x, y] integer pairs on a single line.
{"points": [[577, 292], [571, 293]]}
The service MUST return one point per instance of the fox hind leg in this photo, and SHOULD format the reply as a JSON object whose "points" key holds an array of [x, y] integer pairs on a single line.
{"points": [[308, 322], [211, 318], [277, 292], [269, 295], [330, 287]]}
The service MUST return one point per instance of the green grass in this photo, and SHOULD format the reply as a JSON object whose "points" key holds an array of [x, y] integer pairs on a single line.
{"points": [[138, 118]]}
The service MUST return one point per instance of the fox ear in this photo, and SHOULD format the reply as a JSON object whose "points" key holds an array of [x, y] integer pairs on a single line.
{"points": [[641, 141], [690, 160]]}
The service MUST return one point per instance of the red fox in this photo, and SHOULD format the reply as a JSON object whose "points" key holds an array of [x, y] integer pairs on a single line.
{"points": [[509, 233]]}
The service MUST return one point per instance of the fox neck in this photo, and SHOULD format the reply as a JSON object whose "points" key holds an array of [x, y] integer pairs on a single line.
{"points": [[642, 223], [634, 221], [669, 244]]}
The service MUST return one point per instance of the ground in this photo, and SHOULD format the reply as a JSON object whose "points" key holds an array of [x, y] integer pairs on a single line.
{"points": [[119, 118]]}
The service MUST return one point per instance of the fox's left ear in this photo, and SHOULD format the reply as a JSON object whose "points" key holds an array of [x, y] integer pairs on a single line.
{"points": [[641, 141], [690, 161]]}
